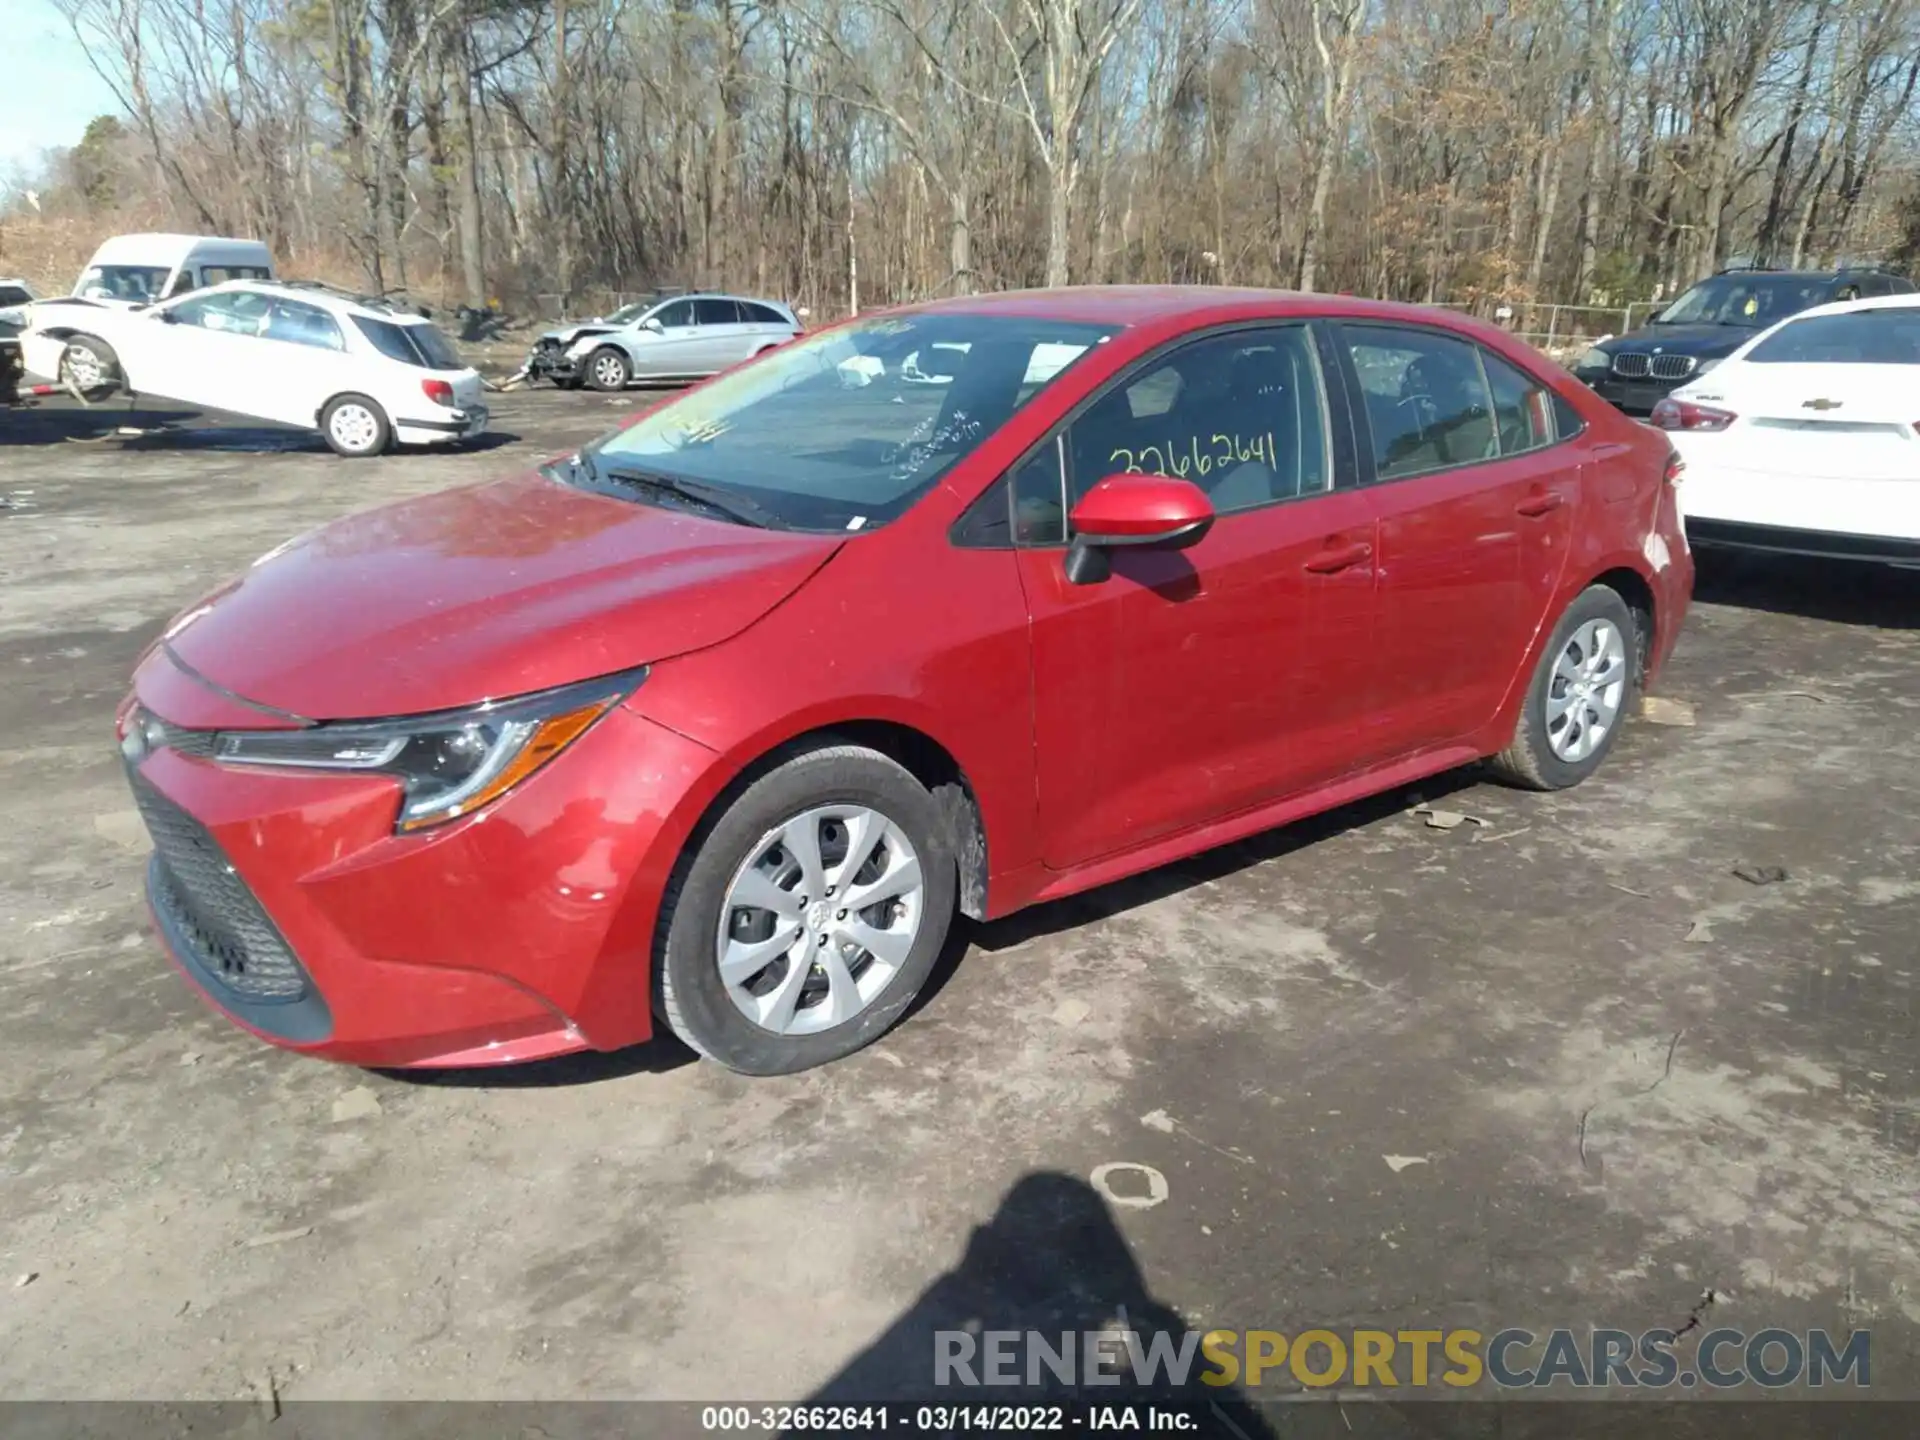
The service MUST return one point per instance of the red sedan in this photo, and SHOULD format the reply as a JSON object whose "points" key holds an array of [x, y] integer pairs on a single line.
{"points": [[718, 722]]}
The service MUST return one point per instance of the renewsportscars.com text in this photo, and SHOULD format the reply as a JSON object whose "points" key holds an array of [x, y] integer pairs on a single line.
{"points": [[1511, 1359]]}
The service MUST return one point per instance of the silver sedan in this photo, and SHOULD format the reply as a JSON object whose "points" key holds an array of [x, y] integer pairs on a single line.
{"points": [[686, 337]]}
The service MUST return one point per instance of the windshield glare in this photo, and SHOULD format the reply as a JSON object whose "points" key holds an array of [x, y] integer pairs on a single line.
{"points": [[626, 314], [1752, 300], [839, 431]]}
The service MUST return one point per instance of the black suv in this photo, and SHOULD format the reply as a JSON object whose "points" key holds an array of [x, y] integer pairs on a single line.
{"points": [[1712, 320]]}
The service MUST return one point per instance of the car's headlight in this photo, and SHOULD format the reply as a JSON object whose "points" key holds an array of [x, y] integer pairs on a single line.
{"points": [[450, 763], [1594, 359]]}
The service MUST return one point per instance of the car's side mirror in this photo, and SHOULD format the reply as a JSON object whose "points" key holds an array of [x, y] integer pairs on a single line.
{"points": [[653, 324], [1154, 511]]}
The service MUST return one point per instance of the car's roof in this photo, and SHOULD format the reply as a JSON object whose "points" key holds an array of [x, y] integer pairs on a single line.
{"points": [[322, 295], [153, 242], [1130, 305], [1909, 301]]}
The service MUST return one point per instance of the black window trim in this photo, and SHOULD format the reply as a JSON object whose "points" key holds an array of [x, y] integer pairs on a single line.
{"points": [[1343, 457], [1363, 424]]}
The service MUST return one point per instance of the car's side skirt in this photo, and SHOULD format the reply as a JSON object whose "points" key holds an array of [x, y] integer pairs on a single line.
{"points": [[1007, 893]]}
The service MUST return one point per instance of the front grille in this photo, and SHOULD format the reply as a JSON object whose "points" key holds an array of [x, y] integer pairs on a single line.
{"points": [[1630, 365], [205, 901]]}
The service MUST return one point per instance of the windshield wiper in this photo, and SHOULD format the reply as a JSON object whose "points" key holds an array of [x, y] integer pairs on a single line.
{"points": [[711, 498]]}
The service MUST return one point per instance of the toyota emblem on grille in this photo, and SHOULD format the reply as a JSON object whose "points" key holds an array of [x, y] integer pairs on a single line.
{"points": [[1821, 404]]}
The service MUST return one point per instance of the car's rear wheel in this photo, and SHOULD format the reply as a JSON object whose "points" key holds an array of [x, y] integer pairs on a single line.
{"points": [[355, 426], [807, 916], [608, 369], [90, 366], [1581, 691]]}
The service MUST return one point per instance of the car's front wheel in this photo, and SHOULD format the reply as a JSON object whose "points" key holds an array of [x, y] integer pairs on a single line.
{"points": [[90, 367], [355, 426], [1581, 691], [808, 915], [608, 369]]}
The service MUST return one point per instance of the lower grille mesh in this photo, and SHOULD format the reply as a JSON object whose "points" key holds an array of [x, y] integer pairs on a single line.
{"points": [[208, 904]]}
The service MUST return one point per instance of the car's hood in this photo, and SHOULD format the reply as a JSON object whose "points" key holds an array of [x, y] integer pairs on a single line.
{"points": [[1702, 340], [567, 334], [483, 592]]}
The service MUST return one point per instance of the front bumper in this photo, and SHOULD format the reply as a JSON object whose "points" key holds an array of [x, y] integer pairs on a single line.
{"points": [[519, 932], [549, 362], [1634, 397]]}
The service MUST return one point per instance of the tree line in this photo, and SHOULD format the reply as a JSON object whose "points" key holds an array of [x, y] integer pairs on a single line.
{"points": [[842, 153]]}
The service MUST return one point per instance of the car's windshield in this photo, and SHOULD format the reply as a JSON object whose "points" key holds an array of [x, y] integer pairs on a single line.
{"points": [[1755, 301], [122, 282], [627, 314], [836, 432], [1859, 337]]}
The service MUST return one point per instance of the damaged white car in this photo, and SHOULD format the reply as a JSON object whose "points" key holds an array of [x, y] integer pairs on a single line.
{"points": [[364, 375]]}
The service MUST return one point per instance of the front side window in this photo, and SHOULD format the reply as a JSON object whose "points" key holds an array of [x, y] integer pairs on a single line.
{"points": [[673, 314], [1865, 337], [1241, 415], [1426, 399], [828, 433]]}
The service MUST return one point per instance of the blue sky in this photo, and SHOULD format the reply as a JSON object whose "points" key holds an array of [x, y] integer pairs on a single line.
{"points": [[52, 91]]}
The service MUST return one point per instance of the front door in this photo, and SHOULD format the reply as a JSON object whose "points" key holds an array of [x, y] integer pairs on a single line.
{"points": [[1196, 683], [205, 350], [1475, 503], [674, 348]]}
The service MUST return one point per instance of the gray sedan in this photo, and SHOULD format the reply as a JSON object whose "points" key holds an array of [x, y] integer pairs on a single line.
{"points": [[687, 337]]}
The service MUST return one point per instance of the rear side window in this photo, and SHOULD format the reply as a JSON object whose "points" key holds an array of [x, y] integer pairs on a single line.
{"points": [[1522, 414], [434, 347], [1426, 399], [1865, 337], [762, 314], [390, 340], [300, 324], [220, 274], [715, 312]]}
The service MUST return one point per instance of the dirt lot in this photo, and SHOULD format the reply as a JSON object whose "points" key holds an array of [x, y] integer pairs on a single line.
{"points": [[1562, 1067]]}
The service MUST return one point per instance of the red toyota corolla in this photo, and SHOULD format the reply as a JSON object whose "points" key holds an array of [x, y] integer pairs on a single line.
{"points": [[718, 722]]}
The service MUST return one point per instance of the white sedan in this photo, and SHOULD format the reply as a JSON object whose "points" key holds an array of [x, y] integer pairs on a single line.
{"points": [[1806, 440], [361, 374]]}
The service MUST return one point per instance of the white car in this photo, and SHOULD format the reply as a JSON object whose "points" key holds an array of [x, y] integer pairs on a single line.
{"points": [[1806, 440], [362, 374], [16, 296]]}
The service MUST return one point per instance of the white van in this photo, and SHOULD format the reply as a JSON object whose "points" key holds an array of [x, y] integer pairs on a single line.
{"points": [[140, 269]]}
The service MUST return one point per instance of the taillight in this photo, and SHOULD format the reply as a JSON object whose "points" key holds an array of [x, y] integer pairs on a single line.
{"points": [[1671, 414], [438, 391]]}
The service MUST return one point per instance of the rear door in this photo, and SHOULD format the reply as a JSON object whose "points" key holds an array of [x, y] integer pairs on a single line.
{"points": [[725, 339], [1475, 503]]}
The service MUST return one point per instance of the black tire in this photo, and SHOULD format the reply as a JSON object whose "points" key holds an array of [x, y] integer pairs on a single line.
{"points": [[611, 360], [688, 993], [1529, 760], [90, 357], [355, 426]]}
